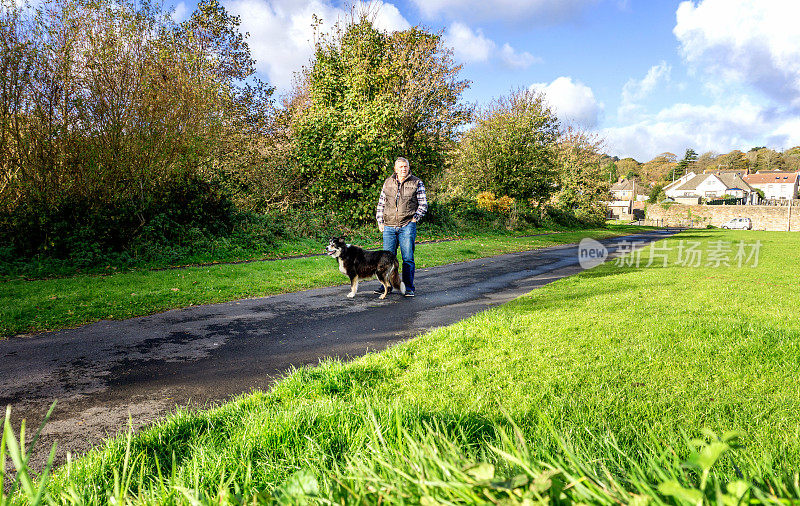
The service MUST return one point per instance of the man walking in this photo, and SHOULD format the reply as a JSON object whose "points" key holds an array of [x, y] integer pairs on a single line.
{"points": [[401, 205]]}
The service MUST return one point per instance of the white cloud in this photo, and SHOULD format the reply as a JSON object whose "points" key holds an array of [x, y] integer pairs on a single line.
{"points": [[572, 101], [281, 37], [388, 17], [511, 58], [737, 123], [752, 41], [538, 11], [735, 47], [636, 90], [472, 46], [469, 45]]}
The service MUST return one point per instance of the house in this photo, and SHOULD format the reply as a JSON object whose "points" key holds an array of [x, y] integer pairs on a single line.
{"points": [[678, 182], [624, 189], [776, 185], [625, 193], [708, 186]]}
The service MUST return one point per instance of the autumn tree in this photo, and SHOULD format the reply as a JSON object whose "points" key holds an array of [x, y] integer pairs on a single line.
{"points": [[511, 149], [628, 168], [583, 185], [735, 160], [659, 168], [115, 114], [372, 96], [762, 158], [791, 159], [706, 161]]}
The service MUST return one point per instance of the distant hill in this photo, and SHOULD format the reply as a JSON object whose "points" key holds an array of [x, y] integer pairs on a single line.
{"points": [[662, 167]]}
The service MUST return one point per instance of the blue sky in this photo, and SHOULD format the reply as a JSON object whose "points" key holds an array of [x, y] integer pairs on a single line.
{"points": [[647, 76]]}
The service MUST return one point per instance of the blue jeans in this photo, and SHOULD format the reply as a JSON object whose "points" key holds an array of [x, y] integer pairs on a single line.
{"points": [[404, 236]]}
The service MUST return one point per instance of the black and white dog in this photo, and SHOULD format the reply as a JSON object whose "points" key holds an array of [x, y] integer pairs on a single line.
{"points": [[360, 265]]}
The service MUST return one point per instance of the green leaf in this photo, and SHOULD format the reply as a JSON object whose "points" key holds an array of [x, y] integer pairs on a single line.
{"points": [[300, 484], [738, 488], [674, 489], [708, 455], [481, 471]]}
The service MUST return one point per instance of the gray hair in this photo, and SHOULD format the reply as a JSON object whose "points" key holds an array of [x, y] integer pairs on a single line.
{"points": [[401, 159]]}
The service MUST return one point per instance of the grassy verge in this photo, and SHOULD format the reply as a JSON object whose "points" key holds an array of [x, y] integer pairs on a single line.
{"points": [[590, 389], [27, 306]]}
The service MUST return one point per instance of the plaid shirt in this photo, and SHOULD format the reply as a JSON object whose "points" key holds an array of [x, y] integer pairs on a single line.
{"points": [[422, 206]]}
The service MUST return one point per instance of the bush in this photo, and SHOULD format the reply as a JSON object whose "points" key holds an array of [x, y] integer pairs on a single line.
{"points": [[511, 149], [178, 219]]}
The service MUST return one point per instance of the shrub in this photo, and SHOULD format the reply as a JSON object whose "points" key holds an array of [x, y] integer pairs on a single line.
{"points": [[510, 150]]}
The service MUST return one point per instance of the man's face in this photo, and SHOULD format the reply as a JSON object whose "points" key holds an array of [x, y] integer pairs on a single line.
{"points": [[401, 169]]}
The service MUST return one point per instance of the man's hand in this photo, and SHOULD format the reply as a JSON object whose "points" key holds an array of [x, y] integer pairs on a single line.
{"points": [[380, 227]]}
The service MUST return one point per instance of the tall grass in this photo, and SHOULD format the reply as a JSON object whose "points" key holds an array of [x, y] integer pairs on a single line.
{"points": [[405, 460], [671, 385]]}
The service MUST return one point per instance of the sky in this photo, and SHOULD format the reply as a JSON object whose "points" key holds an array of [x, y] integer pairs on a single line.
{"points": [[647, 76]]}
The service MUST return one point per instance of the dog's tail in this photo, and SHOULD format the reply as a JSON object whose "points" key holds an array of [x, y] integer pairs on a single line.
{"points": [[394, 278]]}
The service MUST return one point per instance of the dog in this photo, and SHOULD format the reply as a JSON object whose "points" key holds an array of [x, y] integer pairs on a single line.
{"points": [[360, 265]]}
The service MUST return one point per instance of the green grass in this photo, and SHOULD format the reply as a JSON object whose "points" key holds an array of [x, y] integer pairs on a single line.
{"points": [[35, 305], [589, 389]]}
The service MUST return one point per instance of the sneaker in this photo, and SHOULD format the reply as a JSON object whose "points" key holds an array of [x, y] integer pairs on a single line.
{"points": [[409, 293], [379, 290]]}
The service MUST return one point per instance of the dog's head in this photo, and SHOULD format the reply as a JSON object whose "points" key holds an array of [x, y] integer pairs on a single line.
{"points": [[335, 247]]}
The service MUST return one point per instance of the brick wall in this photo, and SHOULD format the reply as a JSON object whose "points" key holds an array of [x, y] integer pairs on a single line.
{"points": [[776, 218]]}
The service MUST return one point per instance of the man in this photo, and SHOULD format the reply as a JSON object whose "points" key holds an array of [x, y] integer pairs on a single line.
{"points": [[401, 205]]}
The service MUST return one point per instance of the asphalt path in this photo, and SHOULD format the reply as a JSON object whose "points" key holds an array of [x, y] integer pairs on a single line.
{"points": [[111, 373]]}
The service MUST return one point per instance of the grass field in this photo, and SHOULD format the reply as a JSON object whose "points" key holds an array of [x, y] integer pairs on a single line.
{"points": [[34, 305], [619, 385]]}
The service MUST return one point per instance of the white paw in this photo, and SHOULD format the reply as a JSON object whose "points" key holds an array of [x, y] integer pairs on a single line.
{"points": [[351, 295]]}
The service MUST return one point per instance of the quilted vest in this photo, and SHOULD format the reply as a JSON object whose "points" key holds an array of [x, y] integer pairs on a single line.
{"points": [[401, 200]]}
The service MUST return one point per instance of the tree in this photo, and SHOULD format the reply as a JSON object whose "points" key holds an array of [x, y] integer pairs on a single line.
{"points": [[764, 159], [582, 183], [791, 158], [685, 165], [628, 167], [511, 149], [656, 193], [110, 109], [706, 161], [371, 97], [659, 168], [113, 100], [735, 160], [612, 171]]}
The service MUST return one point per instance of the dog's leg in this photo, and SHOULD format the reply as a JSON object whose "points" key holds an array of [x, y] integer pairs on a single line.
{"points": [[395, 278], [353, 287], [384, 279]]}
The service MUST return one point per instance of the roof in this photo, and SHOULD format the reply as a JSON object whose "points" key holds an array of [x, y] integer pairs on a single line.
{"points": [[733, 180], [719, 171], [625, 184], [680, 181], [693, 183], [729, 179], [772, 177]]}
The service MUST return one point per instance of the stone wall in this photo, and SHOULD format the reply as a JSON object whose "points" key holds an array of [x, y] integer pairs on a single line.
{"points": [[776, 218]]}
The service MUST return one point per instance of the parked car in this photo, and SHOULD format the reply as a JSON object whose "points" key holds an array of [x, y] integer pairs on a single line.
{"points": [[739, 224]]}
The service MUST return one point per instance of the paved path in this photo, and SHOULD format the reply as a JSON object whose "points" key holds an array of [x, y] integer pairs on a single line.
{"points": [[141, 368]]}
